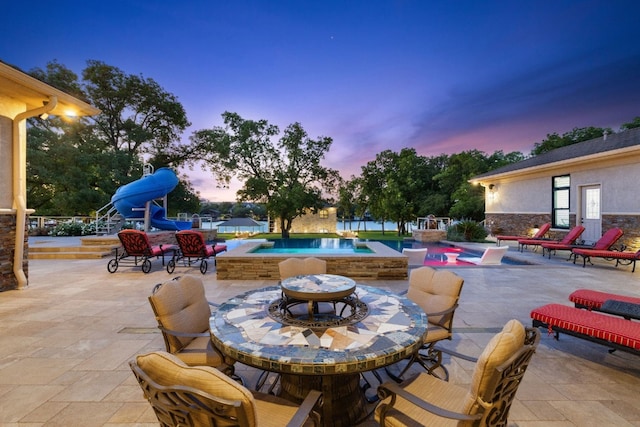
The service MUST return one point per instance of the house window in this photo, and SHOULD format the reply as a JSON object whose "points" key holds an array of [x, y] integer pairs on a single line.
{"points": [[324, 214], [560, 214]]}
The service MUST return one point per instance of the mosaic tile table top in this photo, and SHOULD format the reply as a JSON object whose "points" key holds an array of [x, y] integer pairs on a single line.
{"points": [[318, 287], [393, 329]]}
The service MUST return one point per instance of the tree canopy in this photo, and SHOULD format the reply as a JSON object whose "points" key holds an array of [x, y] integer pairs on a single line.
{"points": [[286, 176], [75, 167]]}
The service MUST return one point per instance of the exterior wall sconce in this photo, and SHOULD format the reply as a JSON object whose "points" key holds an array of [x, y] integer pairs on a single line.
{"points": [[493, 191]]}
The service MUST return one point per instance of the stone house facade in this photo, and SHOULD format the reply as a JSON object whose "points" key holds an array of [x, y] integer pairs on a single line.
{"points": [[593, 183]]}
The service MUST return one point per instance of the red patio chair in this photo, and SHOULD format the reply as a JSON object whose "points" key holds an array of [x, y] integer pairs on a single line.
{"points": [[544, 229], [193, 250], [607, 240], [569, 239], [136, 244]]}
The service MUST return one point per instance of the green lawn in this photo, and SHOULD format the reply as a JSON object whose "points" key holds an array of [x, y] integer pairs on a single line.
{"points": [[371, 235]]}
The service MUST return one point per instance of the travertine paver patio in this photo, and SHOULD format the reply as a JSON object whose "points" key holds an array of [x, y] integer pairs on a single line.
{"points": [[66, 339]]}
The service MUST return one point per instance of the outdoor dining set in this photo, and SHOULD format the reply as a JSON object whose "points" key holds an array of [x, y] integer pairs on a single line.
{"points": [[316, 335]]}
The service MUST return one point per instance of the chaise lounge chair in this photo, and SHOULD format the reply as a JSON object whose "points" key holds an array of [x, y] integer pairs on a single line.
{"points": [[624, 258], [416, 256], [544, 229], [194, 250], [607, 240], [136, 244], [491, 256], [569, 239]]}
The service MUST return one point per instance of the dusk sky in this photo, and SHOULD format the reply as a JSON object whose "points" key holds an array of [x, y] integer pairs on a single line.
{"points": [[438, 76]]}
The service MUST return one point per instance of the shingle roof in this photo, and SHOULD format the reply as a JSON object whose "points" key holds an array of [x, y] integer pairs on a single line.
{"points": [[616, 141]]}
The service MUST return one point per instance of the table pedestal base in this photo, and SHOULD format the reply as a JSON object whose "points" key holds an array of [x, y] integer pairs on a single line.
{"points": [[344, 400]]}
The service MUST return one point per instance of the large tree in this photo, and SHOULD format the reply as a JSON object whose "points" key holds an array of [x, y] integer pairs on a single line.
{"points": [[286, 176], [75, 167]]}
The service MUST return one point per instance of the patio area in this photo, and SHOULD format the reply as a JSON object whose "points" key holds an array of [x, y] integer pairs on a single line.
{"points": [[65, 342]]}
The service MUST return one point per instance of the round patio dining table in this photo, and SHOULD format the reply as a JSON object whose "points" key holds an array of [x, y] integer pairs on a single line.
{"points": [[328, 358]]}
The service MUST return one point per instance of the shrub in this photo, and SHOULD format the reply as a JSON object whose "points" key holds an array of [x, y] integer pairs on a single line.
{"points": [[469, 231], [73, 229]]}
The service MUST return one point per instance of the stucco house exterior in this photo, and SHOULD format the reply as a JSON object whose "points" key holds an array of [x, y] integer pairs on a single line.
{"points": [[22, 97], [594, 183]]}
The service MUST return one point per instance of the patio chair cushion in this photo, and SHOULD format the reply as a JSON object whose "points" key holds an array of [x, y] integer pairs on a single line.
{"points": [[291, 267], [182, 306], [501, 347], [167, 370], [434, 291]]}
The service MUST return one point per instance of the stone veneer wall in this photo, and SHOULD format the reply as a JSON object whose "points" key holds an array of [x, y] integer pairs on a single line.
{"points": [[517, 224], [630, 225], [8, 280], [522, 224], [357, 268]]}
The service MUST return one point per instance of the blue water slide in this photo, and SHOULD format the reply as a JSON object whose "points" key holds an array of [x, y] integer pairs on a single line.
{"points": [[130, 200]]}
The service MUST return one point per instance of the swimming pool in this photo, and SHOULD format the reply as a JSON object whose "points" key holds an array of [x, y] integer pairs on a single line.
{"points": [[376, 260], [256, 260], [312, 246]]}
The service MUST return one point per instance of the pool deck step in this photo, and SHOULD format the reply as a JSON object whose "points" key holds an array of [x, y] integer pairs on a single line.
{"points": [[90, 248]]}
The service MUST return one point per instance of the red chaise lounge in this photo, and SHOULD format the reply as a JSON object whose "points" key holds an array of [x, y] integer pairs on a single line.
{"points": [[593, 300], [544, 229], [605, 242], [135, 243], [194, 250], [624, 258], [614, 332], [569, 239]]}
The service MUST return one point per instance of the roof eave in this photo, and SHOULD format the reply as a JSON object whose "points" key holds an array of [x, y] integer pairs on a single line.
{"points": [[34, 93]]}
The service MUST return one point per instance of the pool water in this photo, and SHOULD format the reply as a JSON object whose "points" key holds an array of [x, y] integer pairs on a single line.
{"points": [[312, 246], [436, 255]]}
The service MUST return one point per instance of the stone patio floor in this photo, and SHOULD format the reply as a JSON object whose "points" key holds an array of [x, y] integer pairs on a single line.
{"points": [[66, 339]]}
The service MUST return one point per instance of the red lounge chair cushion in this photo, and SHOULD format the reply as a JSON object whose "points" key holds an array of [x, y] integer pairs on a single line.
{"points": [[608, 239], [569, 239], [613, 329], [599, 253], [158, 251], [595, 299], [220, 248]]}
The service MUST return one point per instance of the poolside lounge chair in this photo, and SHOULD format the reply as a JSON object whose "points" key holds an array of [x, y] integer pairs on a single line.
{"points": [[544, 229], [136, 244], [605, 242], [624, 258], [429, 401], [569, 239], [193, 250], [491, 256], [195, 396], [416, 256]]}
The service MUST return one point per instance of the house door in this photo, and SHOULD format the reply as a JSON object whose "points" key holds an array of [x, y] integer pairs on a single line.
{"points": [[591, 219]]}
